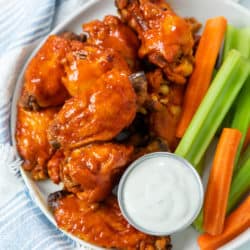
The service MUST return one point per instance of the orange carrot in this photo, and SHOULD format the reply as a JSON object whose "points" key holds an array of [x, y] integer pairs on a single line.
{"points": [[219, 182], [247, 139], [236, 223], [205, 59]]}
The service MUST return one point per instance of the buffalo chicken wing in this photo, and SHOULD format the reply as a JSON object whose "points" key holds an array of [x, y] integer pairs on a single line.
{"points": [[43, 77], [32, 142], [166, 39], [84, 67], [92, 171], [165, 103], [54, 166], [101, 111], [112, 33], [102, 224]]}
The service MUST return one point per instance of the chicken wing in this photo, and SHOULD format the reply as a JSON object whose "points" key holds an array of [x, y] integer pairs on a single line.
{"points": [[101, 111], [102, 224], [32, 142], [164, 103], [159, 106], [92, 171], [54, 166], [166, 38], [164, 123], [84, 67], [112, 33], [43, 77]]}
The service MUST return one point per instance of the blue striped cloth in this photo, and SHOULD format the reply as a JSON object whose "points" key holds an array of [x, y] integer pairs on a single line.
{"points": [[23, 226], [22, 24]]}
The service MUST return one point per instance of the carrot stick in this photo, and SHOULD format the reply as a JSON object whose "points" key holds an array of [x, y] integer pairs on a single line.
{"points": [[205, 59], [236, 223], [247, 139], [220, 177]]}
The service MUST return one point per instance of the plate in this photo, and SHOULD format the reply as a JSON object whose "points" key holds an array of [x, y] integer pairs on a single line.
{"points": [[97, 9]]}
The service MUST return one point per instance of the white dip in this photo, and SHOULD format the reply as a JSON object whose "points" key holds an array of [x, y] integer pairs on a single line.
{"points": [[161, 195]]}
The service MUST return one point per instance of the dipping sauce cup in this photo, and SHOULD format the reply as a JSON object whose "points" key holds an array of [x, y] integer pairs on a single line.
{"points": [[160, 194]]}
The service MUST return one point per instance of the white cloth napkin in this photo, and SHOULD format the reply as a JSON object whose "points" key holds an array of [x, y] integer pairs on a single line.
{"points": [[22, 24]]}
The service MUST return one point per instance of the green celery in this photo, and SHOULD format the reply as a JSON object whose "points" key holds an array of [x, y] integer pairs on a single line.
{"points": [[239, 114], [214, 73], [215, 105], [244, 156], [227, 121], [197, 224], [237, 38], [200, 166], [230, 41], [240, 184]]}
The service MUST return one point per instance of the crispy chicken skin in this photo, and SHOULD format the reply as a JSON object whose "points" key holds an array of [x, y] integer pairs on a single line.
{"points": [[84, 67], [140, 85], [166, 39], [92, 171], [101, 111], [155, 144], [165, 102], [54, 166], [32, 142], [166, 118], [112, 33], [103, 224], [43, 77]]}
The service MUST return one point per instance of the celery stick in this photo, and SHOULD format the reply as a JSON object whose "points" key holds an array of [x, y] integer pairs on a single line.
{"points": [[240, 184], [215, 105], [197, 224], [227, 121], [214, 73], [230, 40], [244, 157], [241, 118], [237, 38], [201, 165]]}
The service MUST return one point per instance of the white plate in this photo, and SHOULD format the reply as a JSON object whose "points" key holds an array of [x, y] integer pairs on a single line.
{"points": [[97, 9]]}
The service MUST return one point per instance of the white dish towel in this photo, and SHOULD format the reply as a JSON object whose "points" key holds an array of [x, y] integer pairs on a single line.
{"points": [[22, 24]]}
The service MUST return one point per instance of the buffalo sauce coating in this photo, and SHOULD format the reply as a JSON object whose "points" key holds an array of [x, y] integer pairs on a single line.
{"points": [[112, 33], [32, 141], [83, 68], [166, 38], [44, 72], [43, 76], [168, 34], [92, 171], [98, 114], [103, 224], [54, 166]]}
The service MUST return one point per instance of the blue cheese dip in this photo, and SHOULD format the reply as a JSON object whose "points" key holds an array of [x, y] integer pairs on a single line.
{"points": [[160, 193]]}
